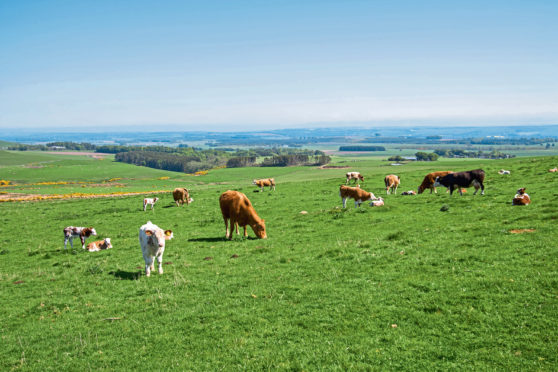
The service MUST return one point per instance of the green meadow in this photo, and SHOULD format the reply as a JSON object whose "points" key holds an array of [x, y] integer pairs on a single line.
{"points": [[405, 286]]}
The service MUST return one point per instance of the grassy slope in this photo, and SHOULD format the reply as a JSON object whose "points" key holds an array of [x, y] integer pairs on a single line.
{"points": [[321, 293]]}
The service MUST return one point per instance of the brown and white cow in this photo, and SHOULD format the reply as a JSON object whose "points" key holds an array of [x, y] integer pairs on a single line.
{"points": [[503, 171], [521, 198], [237, 208], [353, 176], [410, 192], [429, 179], [458, 180], [149, 201], [392, 182], [356, 193], [553, 170], [270, 182], [99, 245], [152, 240], [83, 233], [181, 196]]}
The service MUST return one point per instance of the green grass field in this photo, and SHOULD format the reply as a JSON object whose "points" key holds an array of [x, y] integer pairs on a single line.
{"points": [[400, 287]]}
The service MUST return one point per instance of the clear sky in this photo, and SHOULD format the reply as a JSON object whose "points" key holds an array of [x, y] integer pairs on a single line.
{"points": [[230, 65]]}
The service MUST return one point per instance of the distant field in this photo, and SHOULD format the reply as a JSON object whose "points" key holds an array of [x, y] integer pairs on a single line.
{"points": [[400, 287]]}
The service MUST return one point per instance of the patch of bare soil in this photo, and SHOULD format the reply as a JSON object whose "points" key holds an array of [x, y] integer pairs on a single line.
{"points": [[333, 167], [521, 231]]}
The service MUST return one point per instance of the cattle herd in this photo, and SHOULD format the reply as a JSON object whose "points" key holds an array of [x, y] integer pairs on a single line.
{"points": [[237, 210]]}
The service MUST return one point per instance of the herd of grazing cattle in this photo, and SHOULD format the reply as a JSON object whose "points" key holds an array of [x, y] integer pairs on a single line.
{"points": [[237, 210]]}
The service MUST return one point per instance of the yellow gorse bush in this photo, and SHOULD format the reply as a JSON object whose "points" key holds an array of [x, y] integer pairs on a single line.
{"points": [[5, 182]]}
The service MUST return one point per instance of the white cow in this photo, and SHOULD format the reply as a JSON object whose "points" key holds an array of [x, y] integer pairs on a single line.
{"points": [[149, 201], [152, 240]]}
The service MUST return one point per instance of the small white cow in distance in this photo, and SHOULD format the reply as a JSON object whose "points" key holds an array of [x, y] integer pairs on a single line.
{"points": [[149, 201], [72, 232], [152, 240], [99, 245], [503, 171], [354, 176]]}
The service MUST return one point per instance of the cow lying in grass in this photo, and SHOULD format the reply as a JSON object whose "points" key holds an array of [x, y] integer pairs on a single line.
{"points": [[356, 193], [503, 171], [237, 209], [152, 240], [521, 198], [72, 232], [99, 245]]}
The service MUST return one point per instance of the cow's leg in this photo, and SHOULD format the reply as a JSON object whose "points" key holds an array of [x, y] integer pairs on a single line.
{"points": [[451, 189], [148, 265], [245, 231], [144, 206], [435, 192], [160, 263], [482, 188], [226, 227], [395, 190], [344, 202], [82, 238], [66, 242]]}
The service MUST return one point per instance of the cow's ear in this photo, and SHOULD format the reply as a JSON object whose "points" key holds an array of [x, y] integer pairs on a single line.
{"points": [[168, 234], [148, 232]]}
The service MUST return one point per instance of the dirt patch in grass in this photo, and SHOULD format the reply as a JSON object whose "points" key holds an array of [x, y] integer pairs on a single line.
{"points": [[521, 231], [96, 155], [333, 167]]}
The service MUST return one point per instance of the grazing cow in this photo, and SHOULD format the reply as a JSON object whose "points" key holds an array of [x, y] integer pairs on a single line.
{"points": [[356, 193], [553, 170], [503, 171], [462, 179], [152, 240], [149, 201], [377, 203], [410, 192], [428, 181], [265, 182], [99, 245], [354, 176], [83, 233], [236, 207], [392, 181], [521, 198], [181, 196]]}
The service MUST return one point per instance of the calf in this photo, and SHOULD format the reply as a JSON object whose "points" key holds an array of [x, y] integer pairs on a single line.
{"points": [[152, 240], [181, 196], [354, 176], [270, 182], [377, 203], [392, 181], [83, 233], [356, 193], [236, 207], [503, 171], [429, 179], [99, 245], [149, 201], [410, 192], [521, 198], [462, 179], [553, 170]]}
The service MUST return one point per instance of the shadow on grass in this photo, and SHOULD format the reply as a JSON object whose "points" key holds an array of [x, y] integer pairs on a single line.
{"points": [[216, 239], [126, 275]]}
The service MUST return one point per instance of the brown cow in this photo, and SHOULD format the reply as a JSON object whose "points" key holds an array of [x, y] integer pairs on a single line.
{"points": [[181, 196], [356, 193], [236, 207], [392, 181], [521, 198], [270, 182], [428, 181]]}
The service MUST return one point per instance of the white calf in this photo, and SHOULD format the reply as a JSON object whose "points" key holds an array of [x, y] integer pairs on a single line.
{"points": [[152, 241], [150, 201]]}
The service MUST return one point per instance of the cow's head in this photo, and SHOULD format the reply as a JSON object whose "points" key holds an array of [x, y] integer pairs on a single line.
{"points": [[420, 189], [107, 243], [254, 182], [521, 191], [158, 237], [361, 177], [88, 231], [155, 200], [259, 229]]}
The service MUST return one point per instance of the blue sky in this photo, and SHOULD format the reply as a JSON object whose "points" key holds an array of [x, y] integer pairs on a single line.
{"points": [[230, 65]]}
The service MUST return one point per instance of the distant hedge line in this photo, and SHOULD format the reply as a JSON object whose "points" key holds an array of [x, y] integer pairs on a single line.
{"points": [[362, 148]]}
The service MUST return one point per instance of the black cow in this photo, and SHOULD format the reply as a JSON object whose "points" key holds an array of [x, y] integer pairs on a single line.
{"points": [[462, 179]]}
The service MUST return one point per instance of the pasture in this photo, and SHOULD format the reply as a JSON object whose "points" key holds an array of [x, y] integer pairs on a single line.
{"points": [[400, 287]]}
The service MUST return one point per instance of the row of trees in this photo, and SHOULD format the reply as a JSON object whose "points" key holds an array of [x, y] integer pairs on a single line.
{"points": [[458, 153], [362, 148]]}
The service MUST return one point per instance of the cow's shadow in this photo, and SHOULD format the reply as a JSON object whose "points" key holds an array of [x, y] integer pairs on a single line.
{"points": [[126, 275], [215, 239]]}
